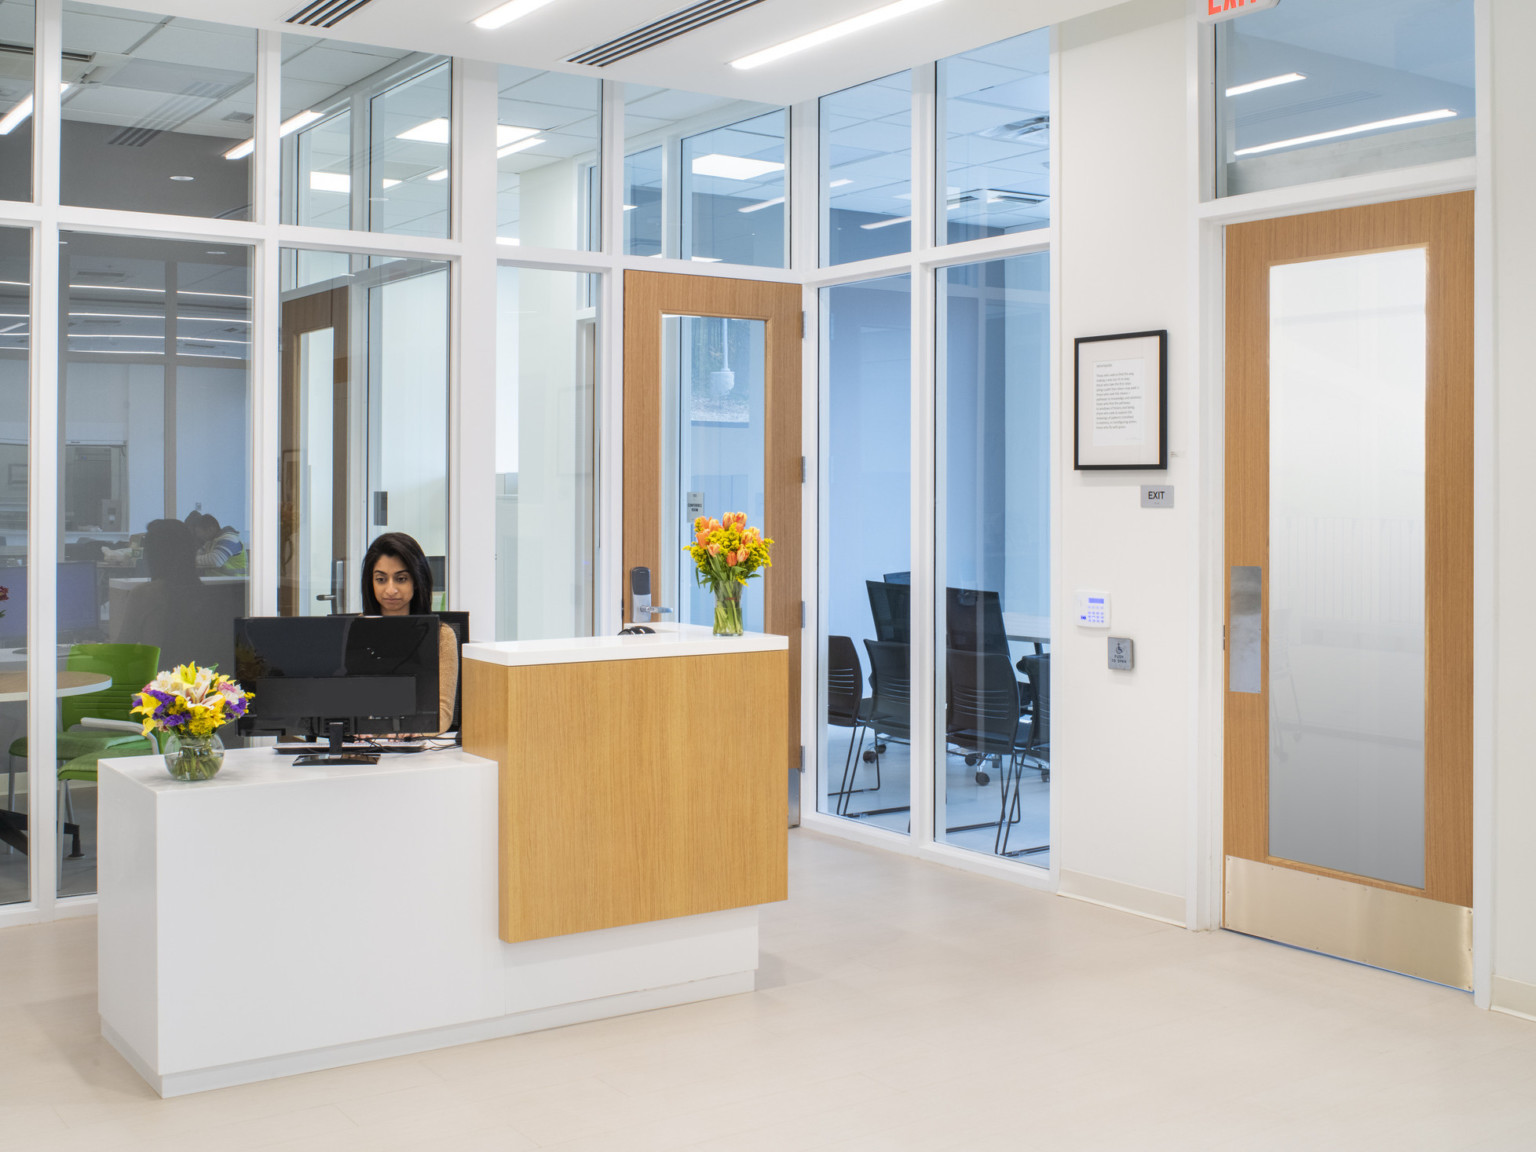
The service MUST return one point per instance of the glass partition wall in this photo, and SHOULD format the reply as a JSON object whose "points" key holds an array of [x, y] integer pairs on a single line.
{"points": [[15, 415]]}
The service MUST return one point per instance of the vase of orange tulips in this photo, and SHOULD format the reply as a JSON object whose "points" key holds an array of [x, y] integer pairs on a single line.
{"points": [[726, 554]]}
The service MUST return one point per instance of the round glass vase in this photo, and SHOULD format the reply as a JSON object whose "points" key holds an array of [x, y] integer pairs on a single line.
{"points": [[728, 609], [193, 757]]}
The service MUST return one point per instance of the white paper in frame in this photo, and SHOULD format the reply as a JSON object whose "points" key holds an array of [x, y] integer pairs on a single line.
{"points": [[1120, 401]]}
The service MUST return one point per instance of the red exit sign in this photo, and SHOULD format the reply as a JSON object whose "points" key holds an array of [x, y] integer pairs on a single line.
{"points": [[1213, 10]]}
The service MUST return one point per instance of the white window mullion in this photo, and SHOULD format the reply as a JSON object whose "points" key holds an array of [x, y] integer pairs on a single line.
{"points": [[927, 698], [608, 459], [266, 323], [43, 536], [472, 376]]}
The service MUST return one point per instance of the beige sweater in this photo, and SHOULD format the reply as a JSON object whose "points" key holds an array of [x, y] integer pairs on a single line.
{"points": [[447, 675]]}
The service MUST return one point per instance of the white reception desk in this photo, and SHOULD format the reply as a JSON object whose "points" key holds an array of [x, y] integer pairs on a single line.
{"points": [[278, 919]]}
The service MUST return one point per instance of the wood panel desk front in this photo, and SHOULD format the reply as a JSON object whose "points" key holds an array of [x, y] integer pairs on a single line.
{"points": [[641, 778]]}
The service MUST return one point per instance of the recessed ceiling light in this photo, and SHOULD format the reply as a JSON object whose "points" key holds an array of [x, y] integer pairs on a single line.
{"points": [[330, 182], [831, 32], [503, 15], [839, 183], [630, 207], [511, 133], [761, 204], [531, 142], [508, 240], [1259, 85], [290, 125], [183, 179], [1374, 125], [733, 167], [217, 252], [388, 182], [886, 223], [428, 131], [440, 174]]}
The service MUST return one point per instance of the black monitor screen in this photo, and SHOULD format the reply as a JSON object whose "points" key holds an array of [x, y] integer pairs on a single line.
{"points": [[373, 674]]}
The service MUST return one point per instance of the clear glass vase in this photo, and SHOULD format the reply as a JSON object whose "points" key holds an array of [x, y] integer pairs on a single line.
{"points": [[193, 757], [728, 609]]}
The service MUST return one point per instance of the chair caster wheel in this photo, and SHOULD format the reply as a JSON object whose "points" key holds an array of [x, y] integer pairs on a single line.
{"points": [[880, 749], [870, 757], [983, 778], [1045, 775], [971, 759]]}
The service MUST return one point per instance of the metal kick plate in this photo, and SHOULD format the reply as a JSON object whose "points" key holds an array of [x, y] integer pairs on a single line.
{"points": [[1393, 930]]}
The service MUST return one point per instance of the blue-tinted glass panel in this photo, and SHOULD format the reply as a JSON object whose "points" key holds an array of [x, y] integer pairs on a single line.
{"points": [[643, 203], [992, 792], [867, 750], [18, 22], [1314, 90], [733, 193], [548, 126], [15, 572], [995, 139], [866, 173]]}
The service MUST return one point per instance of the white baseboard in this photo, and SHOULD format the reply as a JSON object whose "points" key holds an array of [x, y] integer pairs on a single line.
{"points": [[249, 1071], [1515, 997], [1164, 906]]}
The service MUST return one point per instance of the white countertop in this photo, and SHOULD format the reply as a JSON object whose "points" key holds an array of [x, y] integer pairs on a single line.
{"points": [[668, 640], [256, 767]]}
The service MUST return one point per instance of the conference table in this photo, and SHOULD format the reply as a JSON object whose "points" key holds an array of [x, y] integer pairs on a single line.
{"points": [[13, 688]]}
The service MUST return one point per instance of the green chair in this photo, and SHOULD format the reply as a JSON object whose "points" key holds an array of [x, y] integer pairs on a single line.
{"points": [[97, 721], [84, 769]]}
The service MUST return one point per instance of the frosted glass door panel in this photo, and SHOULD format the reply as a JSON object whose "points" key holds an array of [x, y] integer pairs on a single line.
{"points": [[1346, 580], [712, 449]]}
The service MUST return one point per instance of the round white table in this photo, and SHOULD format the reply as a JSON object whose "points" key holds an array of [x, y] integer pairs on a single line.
{"points": [[13, 685]]}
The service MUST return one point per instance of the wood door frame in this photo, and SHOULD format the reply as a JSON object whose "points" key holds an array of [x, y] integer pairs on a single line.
{"points": [[647, 297], [302, 315], [1444, 226]]}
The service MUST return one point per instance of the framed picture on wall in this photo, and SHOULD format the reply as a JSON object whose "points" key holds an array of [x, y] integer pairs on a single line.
{"points": [[1120, 401]]}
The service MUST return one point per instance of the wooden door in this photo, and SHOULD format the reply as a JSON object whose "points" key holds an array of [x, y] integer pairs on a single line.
{"points": [[649, 298], [323, 312], [1348, 741]]}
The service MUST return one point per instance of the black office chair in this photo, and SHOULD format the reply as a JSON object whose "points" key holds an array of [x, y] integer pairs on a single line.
{"points": [[890, 708], [985, 722], [459, 623], [898, 577], [974, 621], [891, 607], [848, 707]]}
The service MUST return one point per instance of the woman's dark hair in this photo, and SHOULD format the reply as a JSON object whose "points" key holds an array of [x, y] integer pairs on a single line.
{"points": [[404, 549], [170, 551]]}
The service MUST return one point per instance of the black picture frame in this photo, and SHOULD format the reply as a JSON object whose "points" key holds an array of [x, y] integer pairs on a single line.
{"points": [[1150, 450]]}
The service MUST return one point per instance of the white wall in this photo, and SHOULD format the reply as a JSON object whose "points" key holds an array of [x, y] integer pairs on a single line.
{"points": [[1122, 752], [1514, 242]]}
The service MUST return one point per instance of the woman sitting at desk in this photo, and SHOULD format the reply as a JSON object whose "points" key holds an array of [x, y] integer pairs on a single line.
{"points": [[397, 581]]}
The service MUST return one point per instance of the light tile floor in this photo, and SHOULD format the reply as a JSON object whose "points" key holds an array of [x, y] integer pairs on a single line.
{"points": [[901, 1005]]}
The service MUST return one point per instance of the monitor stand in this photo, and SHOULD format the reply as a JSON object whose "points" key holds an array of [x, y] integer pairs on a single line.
{"points": [[336, 731]]}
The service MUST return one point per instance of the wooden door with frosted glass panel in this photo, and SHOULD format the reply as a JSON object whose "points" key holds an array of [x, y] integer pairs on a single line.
{"points": [[650, 298], [1348, 788]]}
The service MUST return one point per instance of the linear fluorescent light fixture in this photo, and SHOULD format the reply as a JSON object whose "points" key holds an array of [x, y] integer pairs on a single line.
{"points": [[831, 32], [440, 174], [513, 241], [733, 167], [511, 133], [870, 227], [1260, 85], [508, 149], [287, 128], [839, 183], [761, 204], [504, 14], [1374, 125], [19, 113], [330, 182], [427, 132]]}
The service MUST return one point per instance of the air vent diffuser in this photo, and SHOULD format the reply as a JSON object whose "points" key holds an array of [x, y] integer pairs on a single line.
{"points": [[660, 31], [325, 13]]}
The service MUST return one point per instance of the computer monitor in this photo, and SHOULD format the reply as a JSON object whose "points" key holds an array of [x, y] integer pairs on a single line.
{"points": [[338, 676], [79, 611]]}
